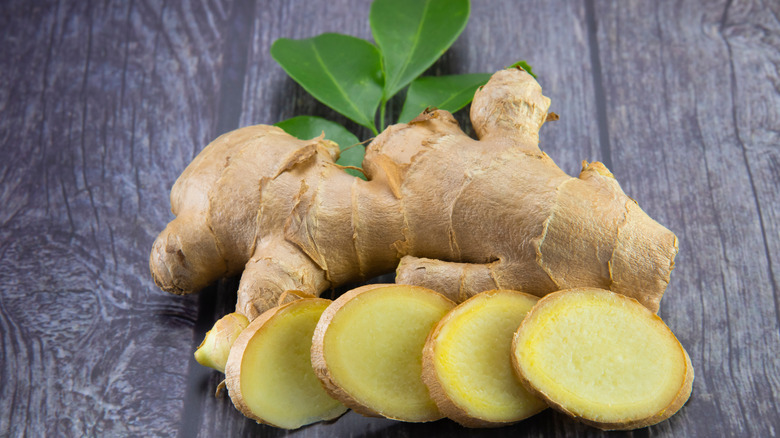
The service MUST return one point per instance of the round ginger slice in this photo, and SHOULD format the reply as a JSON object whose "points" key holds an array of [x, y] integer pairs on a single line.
{"points": [[603, 359], [367, 350], [467, 363], [269, 374]]}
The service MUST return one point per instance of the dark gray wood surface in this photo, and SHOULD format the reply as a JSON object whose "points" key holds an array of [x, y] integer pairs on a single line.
{"points": [[103, 104]]}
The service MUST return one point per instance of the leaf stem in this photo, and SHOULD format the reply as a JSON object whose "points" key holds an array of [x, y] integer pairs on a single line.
{"points": [[382, 109]]}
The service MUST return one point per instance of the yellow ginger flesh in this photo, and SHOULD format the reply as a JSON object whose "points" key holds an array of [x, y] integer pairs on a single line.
{"points": [[603, 358], [368, 350], [269, 372], [467, 361]]}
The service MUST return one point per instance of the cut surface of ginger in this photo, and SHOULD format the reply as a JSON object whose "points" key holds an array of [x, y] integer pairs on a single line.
{"points": [[467, 361], [269, 373], [367, 350], [602, 358]]}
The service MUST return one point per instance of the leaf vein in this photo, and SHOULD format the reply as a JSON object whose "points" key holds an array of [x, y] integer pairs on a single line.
{"points": [[337, 85], [415, 43]]}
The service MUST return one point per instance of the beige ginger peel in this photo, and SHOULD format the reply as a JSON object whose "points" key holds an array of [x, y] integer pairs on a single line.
{"points": [[460, 215]]}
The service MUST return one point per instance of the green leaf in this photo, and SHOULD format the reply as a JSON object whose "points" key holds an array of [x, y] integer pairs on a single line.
{"points": [[413, 34], [524, 65], [343, 72], [307, 127], [449, 93]]}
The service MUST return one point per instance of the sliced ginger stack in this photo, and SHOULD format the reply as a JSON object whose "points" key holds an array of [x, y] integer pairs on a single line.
{"points": [[602, 358], [467, 361], [269, 373], [367, 350]]}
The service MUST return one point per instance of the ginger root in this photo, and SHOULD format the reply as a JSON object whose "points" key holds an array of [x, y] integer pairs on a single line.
{"points": [[603, 359], [461, 215], [213, 351]]}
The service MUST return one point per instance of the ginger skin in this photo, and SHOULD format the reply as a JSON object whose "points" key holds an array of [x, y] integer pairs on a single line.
{"points": [[461, 215], [213, 351]]}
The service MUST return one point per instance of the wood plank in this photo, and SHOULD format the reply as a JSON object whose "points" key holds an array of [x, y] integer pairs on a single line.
{"points": [[751, 33], [103, 106], [751, 36], [671, 100]]}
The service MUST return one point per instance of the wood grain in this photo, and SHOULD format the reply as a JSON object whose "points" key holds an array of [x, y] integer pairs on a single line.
{"points": [[680, 149], [103, 104]]}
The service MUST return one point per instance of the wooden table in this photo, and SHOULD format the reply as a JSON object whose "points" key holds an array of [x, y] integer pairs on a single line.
{"points": [[103, 104]]}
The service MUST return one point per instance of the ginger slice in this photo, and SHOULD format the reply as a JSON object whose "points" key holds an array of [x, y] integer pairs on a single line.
{"points": [[467, 363], [367, 350], [603, 359], [269, 374]]}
